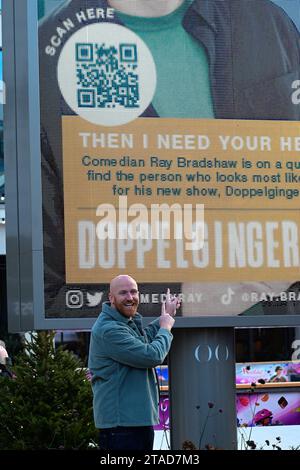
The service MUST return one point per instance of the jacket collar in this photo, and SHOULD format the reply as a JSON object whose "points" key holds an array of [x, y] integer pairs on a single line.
{"points": [[209, 22], [204, 8]]}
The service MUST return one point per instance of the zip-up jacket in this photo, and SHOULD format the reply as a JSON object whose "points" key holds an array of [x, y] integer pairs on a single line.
{"points": [[121, 359]]}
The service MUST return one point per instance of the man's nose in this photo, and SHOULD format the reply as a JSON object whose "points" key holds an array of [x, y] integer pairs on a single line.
{"points": [[129, 296]]}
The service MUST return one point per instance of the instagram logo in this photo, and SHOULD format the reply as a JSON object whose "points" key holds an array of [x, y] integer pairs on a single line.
{"points": [[74, 299]]}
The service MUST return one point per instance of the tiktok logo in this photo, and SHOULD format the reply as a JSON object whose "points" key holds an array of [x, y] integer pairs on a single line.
{"points": [[227, 297]]}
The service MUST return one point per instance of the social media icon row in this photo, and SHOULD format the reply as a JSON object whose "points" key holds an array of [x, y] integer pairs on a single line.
{"points": [[75, 299]]}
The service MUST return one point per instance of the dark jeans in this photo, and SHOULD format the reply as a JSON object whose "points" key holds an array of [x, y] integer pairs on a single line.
{"points": [[127, 438]]}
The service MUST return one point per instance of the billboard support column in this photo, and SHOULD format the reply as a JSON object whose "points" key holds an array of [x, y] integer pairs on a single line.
{"points": [[22, 164], [202, 388]]}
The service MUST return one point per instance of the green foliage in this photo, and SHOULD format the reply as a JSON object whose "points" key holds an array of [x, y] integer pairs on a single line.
{"points": [[49, 403]]}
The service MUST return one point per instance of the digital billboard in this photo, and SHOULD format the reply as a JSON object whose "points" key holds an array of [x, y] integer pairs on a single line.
{"points": [[169, 144]]}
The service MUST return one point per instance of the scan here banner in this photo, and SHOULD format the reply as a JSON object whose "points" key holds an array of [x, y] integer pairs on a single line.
{"points": [[246, 173]]}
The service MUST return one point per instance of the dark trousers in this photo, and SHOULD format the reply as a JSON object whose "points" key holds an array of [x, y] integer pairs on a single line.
{"points": [[127, 438]]}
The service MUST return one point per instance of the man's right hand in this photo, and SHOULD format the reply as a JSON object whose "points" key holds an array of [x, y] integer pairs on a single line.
{"points": [[165, 320]]}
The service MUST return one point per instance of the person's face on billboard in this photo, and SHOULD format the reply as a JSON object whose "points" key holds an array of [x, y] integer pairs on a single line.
{"points": [[147, 8], [124, 295]]}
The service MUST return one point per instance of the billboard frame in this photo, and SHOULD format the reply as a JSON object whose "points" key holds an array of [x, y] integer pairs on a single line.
{"points": [[25, 283]]}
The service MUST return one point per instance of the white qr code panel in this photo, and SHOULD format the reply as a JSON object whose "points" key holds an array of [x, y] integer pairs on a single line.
{"points": [[107, 79]]}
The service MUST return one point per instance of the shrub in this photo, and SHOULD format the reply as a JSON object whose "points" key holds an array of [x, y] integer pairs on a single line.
{"points": [[49, 403]]}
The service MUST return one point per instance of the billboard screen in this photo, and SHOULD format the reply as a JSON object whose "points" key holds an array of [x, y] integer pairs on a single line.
{"points": [[268, 409], [269, 372], [170, 151]]}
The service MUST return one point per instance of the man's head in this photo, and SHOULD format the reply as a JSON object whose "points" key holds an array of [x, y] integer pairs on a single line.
{"points": [[124, 295]]}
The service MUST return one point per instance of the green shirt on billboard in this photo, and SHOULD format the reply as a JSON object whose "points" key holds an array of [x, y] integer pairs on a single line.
{"points": [[173, 50]]}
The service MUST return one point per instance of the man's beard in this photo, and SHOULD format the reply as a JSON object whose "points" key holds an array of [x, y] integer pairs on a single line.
{"points": [[127, 310]]}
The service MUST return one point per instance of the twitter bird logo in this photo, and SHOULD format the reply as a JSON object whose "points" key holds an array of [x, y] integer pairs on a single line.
{"points": [[94, 299]]}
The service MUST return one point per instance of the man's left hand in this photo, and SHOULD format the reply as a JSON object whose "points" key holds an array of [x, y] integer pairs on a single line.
{"points": [[172, 303]]}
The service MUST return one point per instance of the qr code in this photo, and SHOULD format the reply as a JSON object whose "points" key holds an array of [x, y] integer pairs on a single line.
{"points": [[107, 76]]}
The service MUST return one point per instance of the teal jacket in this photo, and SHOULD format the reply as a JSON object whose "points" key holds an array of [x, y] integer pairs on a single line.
{"points": [[121, 359]]}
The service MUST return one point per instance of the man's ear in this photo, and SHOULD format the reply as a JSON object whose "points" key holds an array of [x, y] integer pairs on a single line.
{"points": [[110, 297]]}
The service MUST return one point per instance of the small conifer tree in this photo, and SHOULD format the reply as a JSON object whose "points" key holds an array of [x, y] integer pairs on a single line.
{"points": [[48, 405]]}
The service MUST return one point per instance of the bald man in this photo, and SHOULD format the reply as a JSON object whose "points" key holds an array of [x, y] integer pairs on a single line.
{"points": [[121, 359]]}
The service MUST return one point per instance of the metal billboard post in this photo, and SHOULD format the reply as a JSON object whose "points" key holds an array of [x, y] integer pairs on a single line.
{"points": [[22, 163], [202, 388]]}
